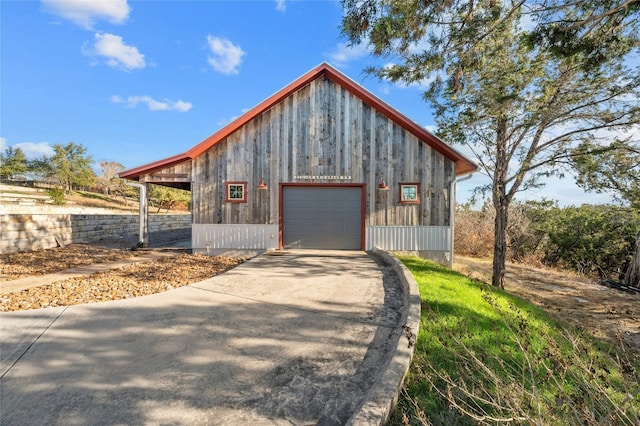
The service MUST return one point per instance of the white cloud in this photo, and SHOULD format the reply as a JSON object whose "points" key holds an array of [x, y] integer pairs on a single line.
{"points": [[281, 5], [86, 12], [3, 144], [226, 56], [431, 128], [117, 53], [343, 54], [224, 121], [153, 104], [35, 150]]}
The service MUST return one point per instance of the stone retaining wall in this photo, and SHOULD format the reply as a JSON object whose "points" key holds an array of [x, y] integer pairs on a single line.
{"points": [[27, 232]]}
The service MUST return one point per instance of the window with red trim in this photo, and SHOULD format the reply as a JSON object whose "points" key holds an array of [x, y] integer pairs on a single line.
{"points": [[236, 192], [410, 193]]}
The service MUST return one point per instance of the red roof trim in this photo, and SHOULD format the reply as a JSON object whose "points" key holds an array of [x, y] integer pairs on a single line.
{"points": [[463, 165], [134, 174], [257, 110]]}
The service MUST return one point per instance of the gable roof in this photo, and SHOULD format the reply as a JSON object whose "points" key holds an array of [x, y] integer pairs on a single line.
{"points": [[463, 164]]}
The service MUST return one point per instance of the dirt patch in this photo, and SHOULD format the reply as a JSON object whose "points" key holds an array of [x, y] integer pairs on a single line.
{"points": [[139, 279], [601, 311]]}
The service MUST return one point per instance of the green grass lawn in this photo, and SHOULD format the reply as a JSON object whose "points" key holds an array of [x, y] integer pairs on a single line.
{"points": [[486, 357]]}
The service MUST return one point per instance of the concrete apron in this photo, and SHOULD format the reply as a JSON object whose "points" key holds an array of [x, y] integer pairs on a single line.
{"points": [[293, 339]]}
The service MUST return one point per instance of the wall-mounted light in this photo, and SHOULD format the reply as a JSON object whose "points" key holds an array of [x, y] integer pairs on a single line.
{"points": [[262, 185], [383, 186]]}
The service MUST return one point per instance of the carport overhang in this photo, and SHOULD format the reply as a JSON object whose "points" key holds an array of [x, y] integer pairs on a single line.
{"points": [[158, 173]]}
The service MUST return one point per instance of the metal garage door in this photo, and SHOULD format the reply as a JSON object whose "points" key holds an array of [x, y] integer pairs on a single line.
{"points": [[322, 217]]}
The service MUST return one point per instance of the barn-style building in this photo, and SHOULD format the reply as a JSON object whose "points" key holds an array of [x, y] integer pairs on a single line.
{"points": [[321, 164]]}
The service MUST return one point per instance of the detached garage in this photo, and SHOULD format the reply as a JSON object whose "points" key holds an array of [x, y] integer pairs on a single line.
{"points": [[321, 164]]}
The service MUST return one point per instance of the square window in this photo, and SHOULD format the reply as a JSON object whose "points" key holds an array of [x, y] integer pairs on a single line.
{"points": [[236, 192], [409, 193]]}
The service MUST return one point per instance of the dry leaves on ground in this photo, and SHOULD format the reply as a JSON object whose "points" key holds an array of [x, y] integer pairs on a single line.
{"points": [[18, 265], [134, 280]]}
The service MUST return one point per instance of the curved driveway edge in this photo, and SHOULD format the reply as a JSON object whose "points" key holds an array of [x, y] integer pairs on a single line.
{"points": [[383, 397], [296, 339]]}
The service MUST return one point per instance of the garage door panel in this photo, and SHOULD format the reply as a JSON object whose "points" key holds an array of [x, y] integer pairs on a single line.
{"points": [[322, 217]]}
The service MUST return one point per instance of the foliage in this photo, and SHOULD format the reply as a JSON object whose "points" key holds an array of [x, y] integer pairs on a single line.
{"points": [[519, 98], [41, 168], [12, 162], [57, 195], [485, 357], [614, 168], [473, 230], [591, 238], [164, 197], [108, 180], [70, 166]]}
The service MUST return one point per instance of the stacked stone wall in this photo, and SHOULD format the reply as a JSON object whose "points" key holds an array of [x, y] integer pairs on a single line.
{"points": [[28, 232]]}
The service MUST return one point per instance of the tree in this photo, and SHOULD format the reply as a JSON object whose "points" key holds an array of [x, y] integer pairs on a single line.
{"points": [[12, 162], [71, 165], [520, 99], [165, 197], [614, 168], [41, 168], [107, 179]]}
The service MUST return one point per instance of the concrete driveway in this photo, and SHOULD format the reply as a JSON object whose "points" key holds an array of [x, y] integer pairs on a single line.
{"points": [[292, 339]]}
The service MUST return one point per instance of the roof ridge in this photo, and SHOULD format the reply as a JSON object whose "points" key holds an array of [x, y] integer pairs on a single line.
{"points": [[463, 164]]}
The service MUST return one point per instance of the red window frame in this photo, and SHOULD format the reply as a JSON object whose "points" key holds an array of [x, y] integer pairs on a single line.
{"points": [[227, 192], [401, 198]]}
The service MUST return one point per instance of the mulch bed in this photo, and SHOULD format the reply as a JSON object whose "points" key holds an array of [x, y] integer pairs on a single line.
{"points": [[133, 280]]}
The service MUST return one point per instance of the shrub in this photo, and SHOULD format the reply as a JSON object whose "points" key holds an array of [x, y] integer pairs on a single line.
{"points": [[57, 195], [591, 238]]}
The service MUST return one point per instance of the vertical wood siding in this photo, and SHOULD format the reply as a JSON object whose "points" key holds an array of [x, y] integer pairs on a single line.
{"points": [[322, 130]]}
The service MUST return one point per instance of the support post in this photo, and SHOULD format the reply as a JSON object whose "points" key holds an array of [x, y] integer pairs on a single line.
{"points": [[143, 236]]}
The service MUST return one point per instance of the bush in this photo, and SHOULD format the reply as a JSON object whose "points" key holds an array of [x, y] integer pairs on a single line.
{"points": [[57, 195], [474, 231], [591, 239]]}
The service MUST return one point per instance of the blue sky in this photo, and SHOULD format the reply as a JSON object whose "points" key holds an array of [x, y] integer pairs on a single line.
{"points": [[139, 81]]}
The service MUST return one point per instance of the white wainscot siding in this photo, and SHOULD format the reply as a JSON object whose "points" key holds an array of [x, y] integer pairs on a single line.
{"points": [[408, 238], [238, 237]]}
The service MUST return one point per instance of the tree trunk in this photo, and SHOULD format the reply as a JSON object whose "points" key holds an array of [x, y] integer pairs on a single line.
{"points": [[500, 245], [632, 276], [500, 204]]}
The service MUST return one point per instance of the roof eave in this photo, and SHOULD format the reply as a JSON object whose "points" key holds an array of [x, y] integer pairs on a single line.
{"points": [[255, 111], [463, 164], [135, 173]]}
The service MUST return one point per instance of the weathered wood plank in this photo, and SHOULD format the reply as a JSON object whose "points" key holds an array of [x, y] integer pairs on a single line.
{"points": [[321, 130]]}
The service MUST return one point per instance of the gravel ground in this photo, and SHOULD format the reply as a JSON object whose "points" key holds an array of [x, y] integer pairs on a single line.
{"points": [[134, 280]]}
